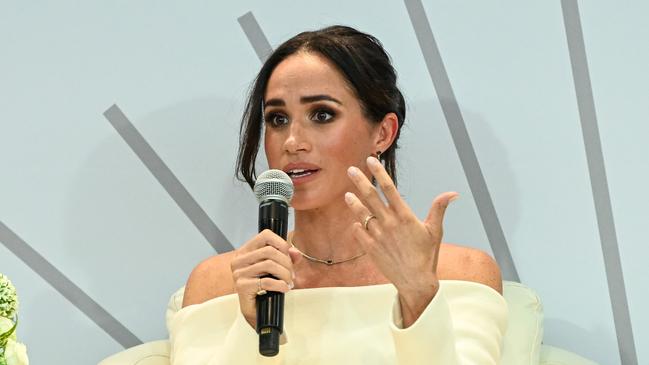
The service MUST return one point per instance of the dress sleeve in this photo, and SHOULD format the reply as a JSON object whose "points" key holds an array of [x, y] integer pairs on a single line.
{"points": [[240, 346], [197, 336], [464, 324]]}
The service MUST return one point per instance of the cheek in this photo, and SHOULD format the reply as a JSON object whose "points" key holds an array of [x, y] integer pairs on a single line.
{"points": [[345, 146]]}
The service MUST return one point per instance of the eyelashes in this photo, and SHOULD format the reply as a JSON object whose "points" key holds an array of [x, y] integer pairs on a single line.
{"points": [[275, 120], [323, 115], [318, 115]]}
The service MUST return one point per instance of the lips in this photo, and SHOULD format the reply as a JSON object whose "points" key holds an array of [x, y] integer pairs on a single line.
{"points": [[299, 172]]}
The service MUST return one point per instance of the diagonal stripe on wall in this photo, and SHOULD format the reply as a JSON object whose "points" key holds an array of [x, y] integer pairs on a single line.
{"points": [[461, 139], [263, 49], [598, 182], [255, 36], [167, 179], [67, 288]]}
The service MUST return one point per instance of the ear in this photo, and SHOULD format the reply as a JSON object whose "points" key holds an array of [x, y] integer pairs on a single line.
{"points": [[386, 132]]}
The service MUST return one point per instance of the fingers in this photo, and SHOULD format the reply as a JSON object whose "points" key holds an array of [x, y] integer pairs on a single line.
{"points": [[438, 208], [362, 213], [367, 192], [363, 236], [387, 185], [270, 284], [263, 263], [265, 254], [263, 268], [266, 238], [295, 255], [250, 286]]}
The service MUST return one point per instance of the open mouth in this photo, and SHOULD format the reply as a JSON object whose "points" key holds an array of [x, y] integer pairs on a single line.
{"points": [[298, 173]]}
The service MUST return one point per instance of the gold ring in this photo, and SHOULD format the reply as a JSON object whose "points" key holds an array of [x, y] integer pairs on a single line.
{"points": [[368, 219], [260, 291]]}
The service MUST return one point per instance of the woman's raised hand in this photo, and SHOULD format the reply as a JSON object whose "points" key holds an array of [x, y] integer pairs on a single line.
{"points": [[264, 254], [403, 247]]}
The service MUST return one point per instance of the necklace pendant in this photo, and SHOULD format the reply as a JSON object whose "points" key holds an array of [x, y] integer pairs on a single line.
{"points": [[329, 262]]}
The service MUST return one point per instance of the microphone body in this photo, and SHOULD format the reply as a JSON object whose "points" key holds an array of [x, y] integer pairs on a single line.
{"points": [[274, 190], [273, 215]]}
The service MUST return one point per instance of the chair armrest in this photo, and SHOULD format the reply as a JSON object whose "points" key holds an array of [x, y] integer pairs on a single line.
{"points": [[522, 340], [555, 356], [149, 353]]}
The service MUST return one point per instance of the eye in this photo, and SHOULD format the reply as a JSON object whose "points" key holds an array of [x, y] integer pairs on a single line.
{"points": [[323, 115], [276, 120]]}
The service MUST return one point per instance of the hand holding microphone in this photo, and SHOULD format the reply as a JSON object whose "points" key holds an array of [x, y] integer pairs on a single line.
{"points": [[264, 254], [265, 263]]}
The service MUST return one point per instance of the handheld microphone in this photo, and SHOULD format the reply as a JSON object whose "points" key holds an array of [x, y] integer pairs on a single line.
{"points": [[274, 190]]}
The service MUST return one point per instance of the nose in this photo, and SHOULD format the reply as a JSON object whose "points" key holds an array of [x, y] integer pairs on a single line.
{"points": [[297, 139]]}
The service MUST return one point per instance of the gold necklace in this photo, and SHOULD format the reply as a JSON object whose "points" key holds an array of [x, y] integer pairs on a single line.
{"points": [[326, 262]]}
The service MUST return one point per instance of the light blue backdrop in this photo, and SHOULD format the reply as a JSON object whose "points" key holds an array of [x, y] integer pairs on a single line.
{"points": [[72, 189]]}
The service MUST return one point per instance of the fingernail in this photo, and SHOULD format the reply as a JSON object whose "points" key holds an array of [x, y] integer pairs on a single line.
{"points": [[453, 198], [372, 161], [348, 197], [291, 285], [352, 171], [293, 275]]}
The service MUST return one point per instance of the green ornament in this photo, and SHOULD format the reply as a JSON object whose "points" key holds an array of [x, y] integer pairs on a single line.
{"points": [[8, 298]]}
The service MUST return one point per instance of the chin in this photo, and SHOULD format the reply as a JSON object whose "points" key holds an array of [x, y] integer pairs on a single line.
{"points": [[320, 192], [300, 203], [309, 200]]}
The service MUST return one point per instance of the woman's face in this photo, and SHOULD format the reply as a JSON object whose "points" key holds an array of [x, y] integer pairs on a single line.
{"points": [[314, 129]]}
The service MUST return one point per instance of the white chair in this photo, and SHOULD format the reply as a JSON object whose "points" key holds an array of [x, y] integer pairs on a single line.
{"points": [[521, 346]]}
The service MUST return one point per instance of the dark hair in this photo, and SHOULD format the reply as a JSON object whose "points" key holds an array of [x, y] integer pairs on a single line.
{"points": [[363, 63]]}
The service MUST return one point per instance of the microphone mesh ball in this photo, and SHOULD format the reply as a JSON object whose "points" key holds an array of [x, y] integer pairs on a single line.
{"points": [[273, 184]]}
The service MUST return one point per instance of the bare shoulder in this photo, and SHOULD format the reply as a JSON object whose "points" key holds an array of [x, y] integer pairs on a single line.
{"points": [[464, 263], [210, 279]]}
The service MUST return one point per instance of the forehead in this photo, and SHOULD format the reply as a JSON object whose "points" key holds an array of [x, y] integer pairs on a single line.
{"points": [[306, 74]]}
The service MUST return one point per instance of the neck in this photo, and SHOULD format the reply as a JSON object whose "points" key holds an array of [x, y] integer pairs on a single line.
{"points": [[326, 232]]}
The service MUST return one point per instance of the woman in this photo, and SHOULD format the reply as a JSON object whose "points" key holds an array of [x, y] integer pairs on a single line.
{"points": [[366, 280]]}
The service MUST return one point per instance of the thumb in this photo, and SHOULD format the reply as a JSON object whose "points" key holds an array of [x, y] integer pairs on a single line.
{"points": [[294, 254], [436, 213]]}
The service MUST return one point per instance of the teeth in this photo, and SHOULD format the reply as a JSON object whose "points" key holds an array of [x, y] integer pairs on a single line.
{"points": [[299, 172]]}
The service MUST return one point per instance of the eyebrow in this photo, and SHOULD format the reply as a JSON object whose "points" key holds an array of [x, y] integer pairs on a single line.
{"points": [[303, 100]]}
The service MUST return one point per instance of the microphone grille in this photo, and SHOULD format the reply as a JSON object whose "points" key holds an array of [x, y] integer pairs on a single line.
{"points": [[273, 184]]}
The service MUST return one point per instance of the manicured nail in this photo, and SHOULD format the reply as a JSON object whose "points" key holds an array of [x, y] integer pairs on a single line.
{"points": [[352, 171], [348, 197], [373, 161]]}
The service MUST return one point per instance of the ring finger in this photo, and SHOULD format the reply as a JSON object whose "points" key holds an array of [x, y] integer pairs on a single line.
{"points": [[368, 220], [368, 193], [260, 285], [268, 267]]}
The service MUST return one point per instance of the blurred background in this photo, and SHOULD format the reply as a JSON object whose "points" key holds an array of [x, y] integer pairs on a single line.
{"points": [[97, 233]]}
